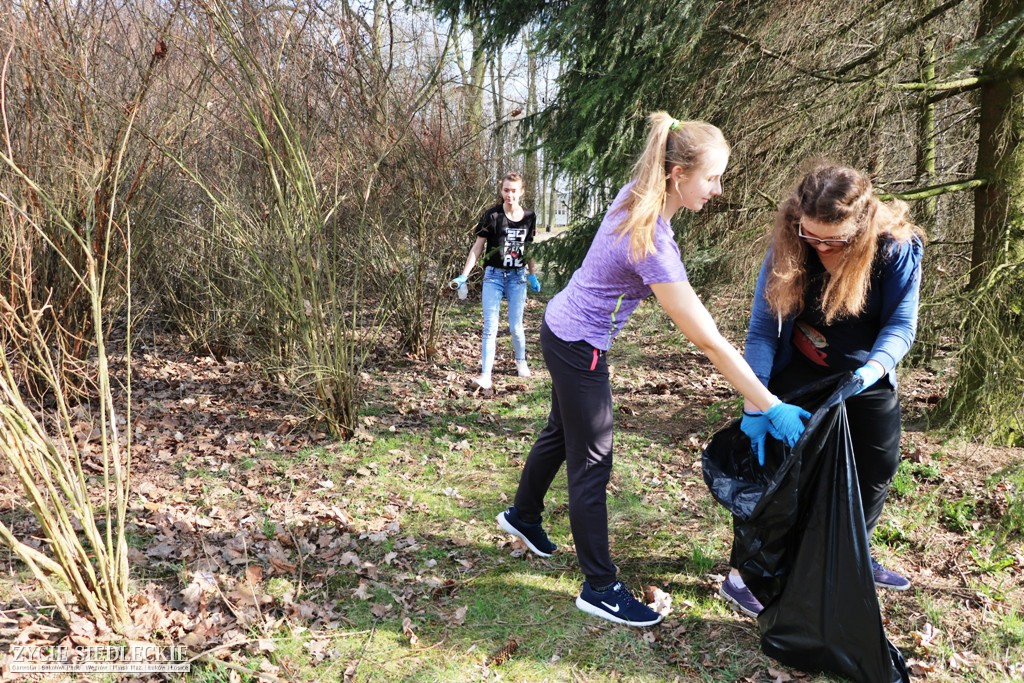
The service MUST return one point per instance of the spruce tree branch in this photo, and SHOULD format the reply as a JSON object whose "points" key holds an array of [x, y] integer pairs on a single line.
{"points": [[822, 75], [959, 85], [967, 85], [907, 29], [747, 40], [946, 94], [935, 190]]}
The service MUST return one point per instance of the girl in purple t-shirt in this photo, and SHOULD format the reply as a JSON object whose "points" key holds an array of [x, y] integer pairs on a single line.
{"points": [[633, 255]]}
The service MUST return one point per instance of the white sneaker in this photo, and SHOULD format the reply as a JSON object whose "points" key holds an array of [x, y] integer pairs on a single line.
{"points": [[483, 381], [523, 369]]}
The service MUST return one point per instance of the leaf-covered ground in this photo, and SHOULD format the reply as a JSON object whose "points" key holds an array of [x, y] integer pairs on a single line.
{"points": [[268, 548]]}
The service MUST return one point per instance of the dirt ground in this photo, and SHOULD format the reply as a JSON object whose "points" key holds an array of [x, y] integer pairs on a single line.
{"points": [[201, 476]]}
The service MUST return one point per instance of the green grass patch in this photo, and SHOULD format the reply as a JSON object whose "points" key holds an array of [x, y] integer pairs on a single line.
{"points": [[1009, 485], [958, 515], [910, 476], [436, 590], [889, 532]]}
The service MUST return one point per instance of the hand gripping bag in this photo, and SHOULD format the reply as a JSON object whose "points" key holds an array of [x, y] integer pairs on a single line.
{"points": [[801, 544]]}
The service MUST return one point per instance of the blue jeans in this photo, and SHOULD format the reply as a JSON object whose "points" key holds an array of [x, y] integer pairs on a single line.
{"points": [[507, 283]]}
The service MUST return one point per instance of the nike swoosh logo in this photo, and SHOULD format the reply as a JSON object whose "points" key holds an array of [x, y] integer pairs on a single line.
{"points": [[614, 609]]}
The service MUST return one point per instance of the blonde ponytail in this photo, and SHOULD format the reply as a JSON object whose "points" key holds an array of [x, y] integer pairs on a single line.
{"points": [[669, 143]]}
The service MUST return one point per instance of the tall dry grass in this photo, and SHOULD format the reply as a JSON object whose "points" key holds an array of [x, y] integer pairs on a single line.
{"points": [[283, 181], [326, 188], [71, 173]]}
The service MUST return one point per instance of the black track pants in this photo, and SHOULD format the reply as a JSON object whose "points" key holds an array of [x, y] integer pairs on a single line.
{"points": [[578, 433], [875, 425], [874, 416]]}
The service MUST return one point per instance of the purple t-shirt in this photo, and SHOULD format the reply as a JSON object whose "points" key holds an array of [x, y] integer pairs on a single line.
{"points": [[608, 287]]}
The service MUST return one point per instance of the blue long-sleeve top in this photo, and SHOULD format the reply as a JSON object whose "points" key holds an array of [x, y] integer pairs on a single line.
{"points": [[890, 312]]}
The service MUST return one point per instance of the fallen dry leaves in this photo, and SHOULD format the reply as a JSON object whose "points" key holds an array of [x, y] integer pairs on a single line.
{"points": [[238, 526], [202, 430]]}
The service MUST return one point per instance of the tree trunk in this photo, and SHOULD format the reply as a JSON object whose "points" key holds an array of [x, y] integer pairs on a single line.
{"points": [[999, 205], [540, 206], [530, 166], [379, 18], [985, 397], [552, 195], [500, 132], [925, 165], [551, 173], [477, 72]]}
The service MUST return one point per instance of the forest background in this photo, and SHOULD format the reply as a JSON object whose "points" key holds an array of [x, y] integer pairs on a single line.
{"points": [[284, 189]]}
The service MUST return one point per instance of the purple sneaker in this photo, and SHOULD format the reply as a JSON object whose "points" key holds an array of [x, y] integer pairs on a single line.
{"points": [[887, 578], [740, 599]]}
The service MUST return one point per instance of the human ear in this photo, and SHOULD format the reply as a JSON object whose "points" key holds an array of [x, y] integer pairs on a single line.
{"points": [[677, 173]]}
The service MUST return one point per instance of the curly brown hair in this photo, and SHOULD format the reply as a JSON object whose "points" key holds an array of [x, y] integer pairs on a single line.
{"points": [[832, 194]]}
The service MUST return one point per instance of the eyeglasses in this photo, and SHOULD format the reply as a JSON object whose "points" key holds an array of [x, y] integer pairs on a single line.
{"points": [[833, 243]]}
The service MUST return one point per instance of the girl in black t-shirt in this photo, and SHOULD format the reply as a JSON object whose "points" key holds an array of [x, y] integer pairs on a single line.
{"points": [[501, 238]]}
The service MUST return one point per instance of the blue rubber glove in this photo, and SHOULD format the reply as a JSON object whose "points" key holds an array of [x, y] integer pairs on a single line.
{"points": [[458, 282], [756, 426], [534, 282], [868, 373], [788, 420]]}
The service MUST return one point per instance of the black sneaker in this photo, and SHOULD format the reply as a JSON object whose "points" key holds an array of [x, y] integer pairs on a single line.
{"points": [[531, 534], [616, 604]]}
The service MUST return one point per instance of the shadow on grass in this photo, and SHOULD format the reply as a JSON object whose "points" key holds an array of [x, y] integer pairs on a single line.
{"points": [[533, 618]]}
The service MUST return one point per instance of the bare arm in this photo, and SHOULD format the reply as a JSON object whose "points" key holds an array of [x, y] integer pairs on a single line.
{"points": [[531, 267], [474, 254], [688, 313]]}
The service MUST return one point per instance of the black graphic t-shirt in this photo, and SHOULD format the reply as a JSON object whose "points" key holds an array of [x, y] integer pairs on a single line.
{"points": [[506, 239], [844, 345]]}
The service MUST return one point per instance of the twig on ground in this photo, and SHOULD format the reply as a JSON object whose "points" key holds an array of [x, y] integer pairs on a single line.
{"points": [[362, 652]]}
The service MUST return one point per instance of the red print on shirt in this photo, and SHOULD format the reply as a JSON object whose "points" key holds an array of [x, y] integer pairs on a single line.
{"points": [[810, 343]]}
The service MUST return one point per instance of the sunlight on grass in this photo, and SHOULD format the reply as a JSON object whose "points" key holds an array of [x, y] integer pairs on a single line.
{"points": [[431, 590], [957, 515], [889, 532], [1011, 484], [1009, 639], [911, 476]]}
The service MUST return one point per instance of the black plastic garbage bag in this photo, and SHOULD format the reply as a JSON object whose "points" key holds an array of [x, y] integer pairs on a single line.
{"points": [[801, 544]]}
